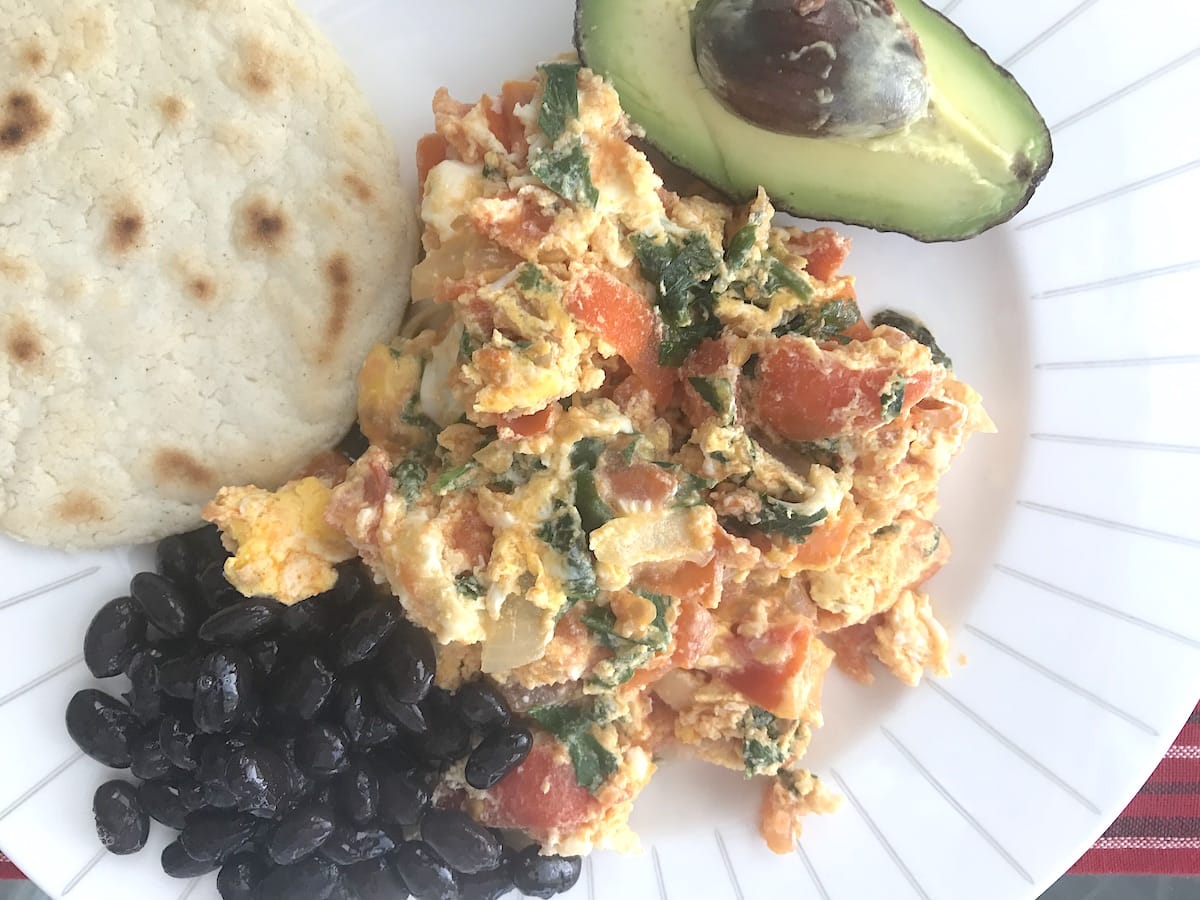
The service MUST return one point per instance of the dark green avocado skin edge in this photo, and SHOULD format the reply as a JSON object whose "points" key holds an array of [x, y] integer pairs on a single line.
{"points": [[1035, 179]]}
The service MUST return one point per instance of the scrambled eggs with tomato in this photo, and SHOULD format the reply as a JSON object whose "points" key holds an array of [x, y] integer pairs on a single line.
{"points": [[638, 459]]}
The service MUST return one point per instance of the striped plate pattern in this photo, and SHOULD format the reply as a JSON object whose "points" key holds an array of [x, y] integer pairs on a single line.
{"points": [[1071, 597]]}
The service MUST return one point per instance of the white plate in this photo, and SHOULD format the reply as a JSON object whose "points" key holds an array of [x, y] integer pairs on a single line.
{"points": [[1072, 588]]}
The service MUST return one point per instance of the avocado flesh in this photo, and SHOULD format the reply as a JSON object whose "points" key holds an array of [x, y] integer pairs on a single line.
{"points": [[971, 163]]}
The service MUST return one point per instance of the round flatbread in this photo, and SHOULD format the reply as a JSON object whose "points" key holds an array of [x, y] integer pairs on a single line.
{"points": [[202, 231]]}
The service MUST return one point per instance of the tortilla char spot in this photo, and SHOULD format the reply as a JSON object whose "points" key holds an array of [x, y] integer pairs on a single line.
{"points": [[177, 466], [358, 187], [23, 343], [173, 109], [22, 121], [264, 226], [79, 505], [201, 288], [33, 56], [13, 269], [126, 229], [341, 280], [260, 67]]}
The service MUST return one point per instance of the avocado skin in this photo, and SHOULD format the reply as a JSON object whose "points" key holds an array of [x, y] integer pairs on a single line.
{"points": [[1034, 176]]}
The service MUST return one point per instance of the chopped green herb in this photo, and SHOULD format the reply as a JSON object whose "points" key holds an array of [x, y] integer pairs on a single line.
{"points": [[467, 345], [531, 280], [678, 343], [586, 452], [915, 330], [740, 246], [934, 543], [891, 400], [560, 97], [783, 518], [691, 489], [629, 654], [457, 478], [761, 752], [780, 276], [490, 171], [564, 534], [571, 724], [409, 475], [682, 278], [567, 172], [468, 585], [593, 511], [717, 392], [523, 467], [824, 323]]}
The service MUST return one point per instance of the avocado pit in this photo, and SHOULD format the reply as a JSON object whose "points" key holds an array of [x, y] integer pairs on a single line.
{"points": [[815, 68]]}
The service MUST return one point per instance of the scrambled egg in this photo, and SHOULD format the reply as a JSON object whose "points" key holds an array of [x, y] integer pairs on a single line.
{"points": [[283, 547], [638, 459]]}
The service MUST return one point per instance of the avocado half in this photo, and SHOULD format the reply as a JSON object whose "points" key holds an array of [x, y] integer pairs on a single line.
{"points": [[971, 162]]}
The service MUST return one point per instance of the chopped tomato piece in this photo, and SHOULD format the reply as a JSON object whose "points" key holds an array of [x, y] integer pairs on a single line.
{"points": [[510, 428], [623, 318], [641, 482], [824, 249], [431, 150], [809, 394], [497, 121], [773, 687], [540, 794], [512, 95], [469, 534], [690, 582], [825, 545], [859, 331]]}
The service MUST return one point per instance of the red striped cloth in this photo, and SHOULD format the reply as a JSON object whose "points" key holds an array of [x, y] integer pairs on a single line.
{"points": [[1158, 833]]}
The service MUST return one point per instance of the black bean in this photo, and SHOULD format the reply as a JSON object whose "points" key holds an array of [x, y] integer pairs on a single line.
{"points": [[177, 737], [349, 845], [219, 797], [177, 863], [177, 677], [175, 559], [358, 714], [117, 630], [147, 760], [423, 873], [322, 750], [356, 792], [168, 607], [224, 691], [373, 880], [215, 755], [206, 545], [449, 736], [300, 833], [300, 691], [143, 696], [482, 705], [102, 726], [497, 754], [170, 800], [407, 716], [361, 639], [404, 796], [216, 834], [308, 618], [240, 877], [490, 885], [408, 663], [264, 654], [309, 879], [121, 822], [354, 444], [463, 843], [242, 622], [258, 777], [544, 876], [301, 784], [215, 588]]}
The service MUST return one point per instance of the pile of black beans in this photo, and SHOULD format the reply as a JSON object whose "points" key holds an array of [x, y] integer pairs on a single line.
{"points": [[296, 749]]}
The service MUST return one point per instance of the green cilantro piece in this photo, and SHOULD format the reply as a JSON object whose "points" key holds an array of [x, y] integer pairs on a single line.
{"points": [[891, 401], [914, 330], [456, 479], [567, 172], [560, 97], [717, 392], [409, 475], [780, 277], [468, 585], [564, 534], [571, 724], [783, 518]]}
